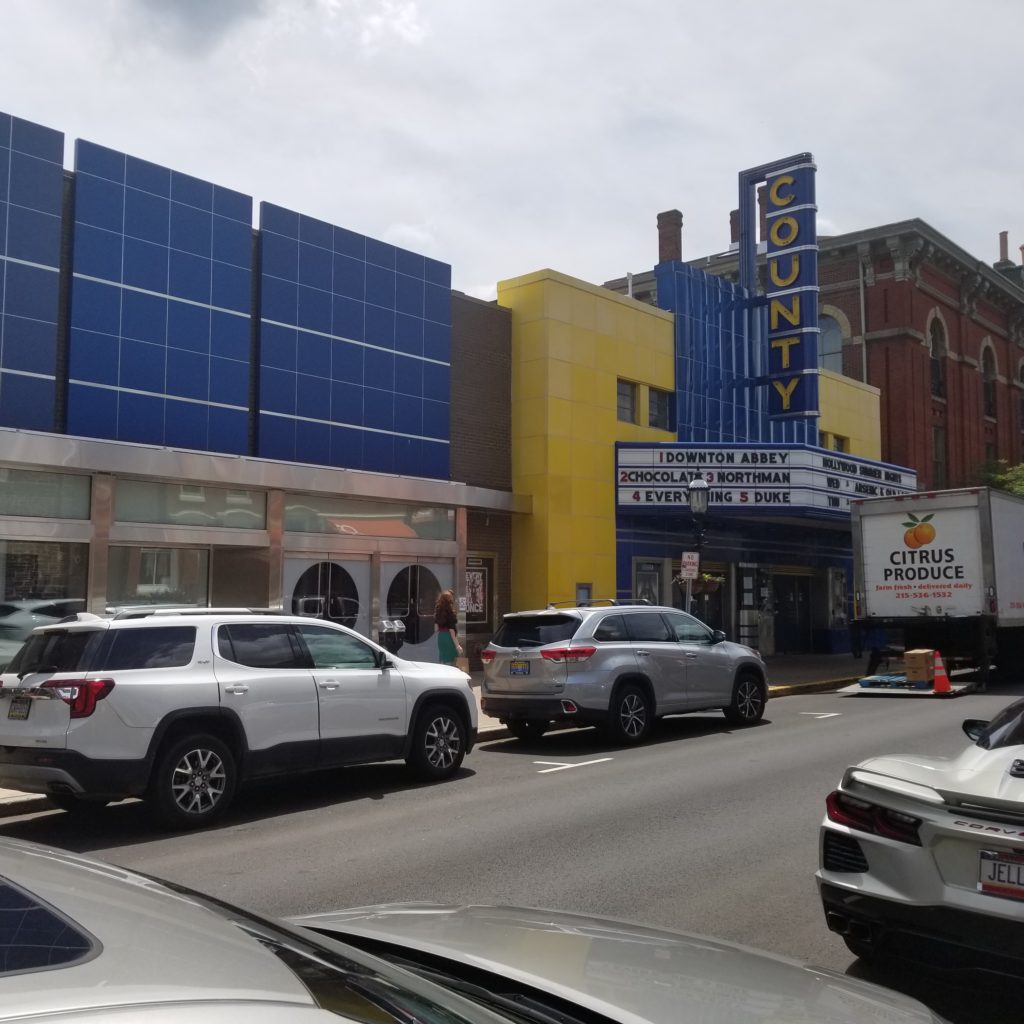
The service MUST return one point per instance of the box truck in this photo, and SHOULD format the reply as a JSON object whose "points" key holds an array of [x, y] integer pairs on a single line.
{"points": [[945, 569]]}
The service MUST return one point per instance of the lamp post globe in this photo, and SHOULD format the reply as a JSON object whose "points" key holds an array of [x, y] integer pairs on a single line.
{"points": [[697, 495]]}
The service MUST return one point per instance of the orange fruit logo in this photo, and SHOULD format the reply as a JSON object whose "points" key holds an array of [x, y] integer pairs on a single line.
{"points": [[919, 531]]}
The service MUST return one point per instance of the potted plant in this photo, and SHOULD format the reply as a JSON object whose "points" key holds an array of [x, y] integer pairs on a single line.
{"points": [[709, 581]]}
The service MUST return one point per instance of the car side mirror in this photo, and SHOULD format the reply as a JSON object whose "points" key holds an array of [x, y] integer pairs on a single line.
{"points": [[384, 660], [717, 636], [974, 727]]}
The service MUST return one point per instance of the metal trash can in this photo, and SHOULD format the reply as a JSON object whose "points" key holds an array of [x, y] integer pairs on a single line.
{"points": [[392, 635]]}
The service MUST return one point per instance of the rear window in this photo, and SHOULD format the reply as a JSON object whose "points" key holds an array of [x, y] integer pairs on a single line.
{"points": [[57, 650], [260, 645], [535, 630], [150, 647], [34, 937]]}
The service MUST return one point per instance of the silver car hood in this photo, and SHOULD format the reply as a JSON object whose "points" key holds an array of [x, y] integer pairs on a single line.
{"points": [[626, 972], [975, 775]]}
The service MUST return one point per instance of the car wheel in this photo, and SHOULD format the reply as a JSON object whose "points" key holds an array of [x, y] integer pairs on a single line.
{"points": [[75, 804], [630, 715], [527, 728], [194, 782], [748, 695], [438, 743]]}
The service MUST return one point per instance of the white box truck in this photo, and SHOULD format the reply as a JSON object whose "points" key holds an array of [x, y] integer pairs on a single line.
{"points": [[945, 568]]}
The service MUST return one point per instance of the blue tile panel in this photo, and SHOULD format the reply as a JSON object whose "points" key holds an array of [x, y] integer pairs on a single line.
{"points": [[161, 304], [721, 361], [31, 201], [354, 350]]}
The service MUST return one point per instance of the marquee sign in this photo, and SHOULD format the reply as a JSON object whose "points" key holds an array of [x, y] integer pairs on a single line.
{"points": [[754, 478]]}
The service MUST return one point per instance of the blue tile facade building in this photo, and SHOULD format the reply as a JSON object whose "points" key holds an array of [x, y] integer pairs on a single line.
{"points": [[31, 205], [175, 324]]}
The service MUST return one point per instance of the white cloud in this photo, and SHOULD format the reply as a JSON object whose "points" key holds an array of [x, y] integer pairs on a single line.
{"points": [[516, 134]]}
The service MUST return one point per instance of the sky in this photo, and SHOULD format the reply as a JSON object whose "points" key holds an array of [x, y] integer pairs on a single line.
{"points": [[506, 136]]}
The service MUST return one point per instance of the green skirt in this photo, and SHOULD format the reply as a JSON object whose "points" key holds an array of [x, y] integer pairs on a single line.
{"points": [[446, 650]]}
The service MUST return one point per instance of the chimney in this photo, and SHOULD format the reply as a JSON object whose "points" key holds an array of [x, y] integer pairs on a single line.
{"points": [[670, 236], [734, 226], [1022, 255], [762, 211], [1004, 247]]}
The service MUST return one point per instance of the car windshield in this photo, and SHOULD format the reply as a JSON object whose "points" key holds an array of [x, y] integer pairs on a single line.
{"points": [[535, 630], [1006, 729], [58, 650]]}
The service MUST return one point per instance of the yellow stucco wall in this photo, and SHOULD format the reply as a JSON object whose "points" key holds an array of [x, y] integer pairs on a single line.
{"points": [[850, 410], [571, 343]]}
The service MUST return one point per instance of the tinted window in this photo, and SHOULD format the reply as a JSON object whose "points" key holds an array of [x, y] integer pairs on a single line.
{"points": [[260, 645], [1006, 729], [330, 648], [150, 647], [648, 627], [687, 629], [33, 937], [57, 651], [611, 628], [535, 630]]}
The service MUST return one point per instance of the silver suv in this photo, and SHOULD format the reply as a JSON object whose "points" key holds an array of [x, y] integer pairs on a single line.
{"points": [[618, 667], [182, 706]]}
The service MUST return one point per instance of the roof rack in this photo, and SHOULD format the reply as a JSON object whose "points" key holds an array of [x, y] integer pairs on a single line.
{"points": [[146, 611], [595, 601]]}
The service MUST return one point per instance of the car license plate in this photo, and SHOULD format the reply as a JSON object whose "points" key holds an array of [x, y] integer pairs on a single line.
{"points": [[1001, 873], [519, 667], [19, 708]]}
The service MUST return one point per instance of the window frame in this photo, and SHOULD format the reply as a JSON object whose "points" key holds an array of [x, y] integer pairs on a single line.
{"points": [[631, 392], [654, 419]]}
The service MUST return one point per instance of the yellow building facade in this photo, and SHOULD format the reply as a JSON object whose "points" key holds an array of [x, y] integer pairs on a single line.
{"points": [[572, 343]]}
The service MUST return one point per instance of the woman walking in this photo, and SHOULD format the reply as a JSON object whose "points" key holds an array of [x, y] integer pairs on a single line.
{"points": [[445, 625]]}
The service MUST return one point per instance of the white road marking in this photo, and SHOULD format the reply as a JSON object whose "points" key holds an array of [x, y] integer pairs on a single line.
{"points": [[822, 714], [560, 766]]}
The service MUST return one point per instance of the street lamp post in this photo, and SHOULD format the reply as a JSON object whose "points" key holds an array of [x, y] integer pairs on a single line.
{"points": [[697, 497]]}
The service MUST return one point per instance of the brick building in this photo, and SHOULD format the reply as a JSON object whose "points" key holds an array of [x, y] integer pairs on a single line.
{"points": [[941, 334]]}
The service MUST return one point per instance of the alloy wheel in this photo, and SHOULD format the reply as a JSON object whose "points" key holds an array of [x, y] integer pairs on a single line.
{"points": [[198, 781], [442, 742], [633, 715], [748, 700]]}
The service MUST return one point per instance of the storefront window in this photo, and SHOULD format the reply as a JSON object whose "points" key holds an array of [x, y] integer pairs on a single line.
{"points": [[347, 517], [147, 501], [24, 492], [411, 597], [40, 582], [158, 576]]}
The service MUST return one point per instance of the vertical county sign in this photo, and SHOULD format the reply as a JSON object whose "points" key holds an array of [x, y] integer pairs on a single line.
{"points": [[792, 292]]}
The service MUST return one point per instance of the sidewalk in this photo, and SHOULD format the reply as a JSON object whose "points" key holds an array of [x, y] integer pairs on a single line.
{"points": [[787, 675]]}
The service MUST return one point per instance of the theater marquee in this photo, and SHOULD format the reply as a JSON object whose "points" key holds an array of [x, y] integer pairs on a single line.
{"points": [[757, 478]]}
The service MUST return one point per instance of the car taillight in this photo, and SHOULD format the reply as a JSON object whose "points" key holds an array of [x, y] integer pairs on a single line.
{"points": [[487, 655], [864, 816], [81, 695], [567, 654]]}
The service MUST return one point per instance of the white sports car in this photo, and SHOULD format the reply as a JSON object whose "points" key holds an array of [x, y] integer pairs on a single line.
{"points": [[923, 857]]}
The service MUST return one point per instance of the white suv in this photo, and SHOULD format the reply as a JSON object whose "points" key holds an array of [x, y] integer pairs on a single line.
{"points": [[180, 707]]}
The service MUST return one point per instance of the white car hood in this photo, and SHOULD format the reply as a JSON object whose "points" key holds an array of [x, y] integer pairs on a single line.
{"points": [[626, 972], [976, 775]]}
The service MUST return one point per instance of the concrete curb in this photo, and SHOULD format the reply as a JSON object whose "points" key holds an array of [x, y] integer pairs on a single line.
{"points": [[31, 803]]}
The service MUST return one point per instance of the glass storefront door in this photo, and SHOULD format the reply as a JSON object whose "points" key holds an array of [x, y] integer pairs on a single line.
{"points": [[409, 592], [332, 588]]}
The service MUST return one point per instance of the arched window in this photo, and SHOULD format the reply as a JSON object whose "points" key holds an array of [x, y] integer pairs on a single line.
{"points": [[938, 350], [988, 378], [830, 344]]}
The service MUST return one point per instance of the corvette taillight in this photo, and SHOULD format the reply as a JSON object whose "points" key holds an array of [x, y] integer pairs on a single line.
{"points": [[81, 695], [567, 654], [864, 816]]}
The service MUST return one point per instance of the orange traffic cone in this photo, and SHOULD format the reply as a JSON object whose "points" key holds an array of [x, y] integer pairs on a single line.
{"points": [[941, 684]]}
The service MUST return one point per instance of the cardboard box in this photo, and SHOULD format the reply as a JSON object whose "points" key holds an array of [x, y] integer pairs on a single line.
{"points": [[919, 665]]}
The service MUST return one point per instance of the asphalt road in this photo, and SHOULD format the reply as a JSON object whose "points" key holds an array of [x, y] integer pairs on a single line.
{"points": [[705, 829]]}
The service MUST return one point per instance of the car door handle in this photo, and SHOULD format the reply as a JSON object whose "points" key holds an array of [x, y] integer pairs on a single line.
{"points": [[642, 654], [238, 688], [328, 684], [690, 656]]}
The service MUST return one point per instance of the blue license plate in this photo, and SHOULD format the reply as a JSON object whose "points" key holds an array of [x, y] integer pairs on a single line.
{"points": [[519, 667]]}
